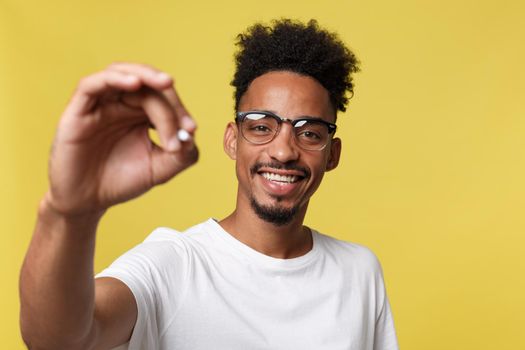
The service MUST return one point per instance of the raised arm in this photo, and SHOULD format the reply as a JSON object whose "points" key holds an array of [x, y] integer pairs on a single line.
{"points": [[102, 155]]}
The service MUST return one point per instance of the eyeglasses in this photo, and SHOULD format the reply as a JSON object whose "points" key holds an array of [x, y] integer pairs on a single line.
{"points": [[260, 127]]}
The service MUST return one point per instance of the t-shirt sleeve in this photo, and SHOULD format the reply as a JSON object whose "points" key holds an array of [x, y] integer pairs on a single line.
{"points": [[385, 334], [155, 272]]}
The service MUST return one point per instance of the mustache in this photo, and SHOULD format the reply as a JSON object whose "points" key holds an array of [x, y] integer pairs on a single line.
{"points": [[280, 166]]}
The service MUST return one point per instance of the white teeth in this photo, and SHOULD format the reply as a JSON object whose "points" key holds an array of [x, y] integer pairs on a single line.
{"points": [[280, 178]]}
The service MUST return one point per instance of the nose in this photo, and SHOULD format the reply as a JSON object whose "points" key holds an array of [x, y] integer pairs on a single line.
{"points": [[283, 147]]}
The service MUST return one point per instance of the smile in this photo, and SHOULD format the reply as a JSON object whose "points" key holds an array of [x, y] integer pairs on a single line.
{"points": [[280, 178]]}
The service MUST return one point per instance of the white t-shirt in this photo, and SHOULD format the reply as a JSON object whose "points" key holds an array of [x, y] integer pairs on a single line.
{"points": [[204, 289]]}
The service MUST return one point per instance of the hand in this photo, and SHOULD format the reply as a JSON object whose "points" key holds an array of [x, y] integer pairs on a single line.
{"points": [[102, 154]]}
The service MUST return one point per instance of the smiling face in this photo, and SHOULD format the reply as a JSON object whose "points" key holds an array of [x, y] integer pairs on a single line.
{"points": [[277, 179]]}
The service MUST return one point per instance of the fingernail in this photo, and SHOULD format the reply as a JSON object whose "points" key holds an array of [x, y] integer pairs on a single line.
{"points": [[173, 144], [131, 78], [188, 123]]}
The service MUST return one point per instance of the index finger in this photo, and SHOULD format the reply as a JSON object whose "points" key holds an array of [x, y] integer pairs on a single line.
{"points": [[184, 117], [160, 114], [90, 88], [147, 74]]}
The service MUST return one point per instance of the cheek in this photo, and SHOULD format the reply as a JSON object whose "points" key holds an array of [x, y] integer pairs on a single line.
{"points": [[243, 162], [318, 167], [319, 164]]}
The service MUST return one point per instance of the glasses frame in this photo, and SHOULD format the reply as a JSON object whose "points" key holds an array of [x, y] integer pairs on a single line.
{"points": [[241, 116]]}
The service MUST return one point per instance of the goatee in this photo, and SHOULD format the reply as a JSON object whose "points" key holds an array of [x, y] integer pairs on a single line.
{"points": [[277, 215]]}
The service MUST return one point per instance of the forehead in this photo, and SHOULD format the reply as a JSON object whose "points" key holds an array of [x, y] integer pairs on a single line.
{"points": [[289, 95]]}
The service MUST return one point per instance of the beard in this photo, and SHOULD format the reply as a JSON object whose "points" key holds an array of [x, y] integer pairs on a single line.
{"points": [[274, 214]]}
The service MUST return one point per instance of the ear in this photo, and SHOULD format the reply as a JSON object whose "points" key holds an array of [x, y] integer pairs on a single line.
{"points": [[335, 153], [230, 140]]}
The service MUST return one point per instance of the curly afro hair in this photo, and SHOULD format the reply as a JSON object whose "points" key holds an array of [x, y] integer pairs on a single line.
{"points": [[293, 46]]}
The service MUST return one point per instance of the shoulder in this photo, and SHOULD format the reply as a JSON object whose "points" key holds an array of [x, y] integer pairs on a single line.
{"points": [[162, 243], [165, 245], [349, 254], [165, 240], [168, 236], [166, 254]]}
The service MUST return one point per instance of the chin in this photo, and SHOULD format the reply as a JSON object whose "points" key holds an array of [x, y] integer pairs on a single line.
{"points": [[275, 214]]}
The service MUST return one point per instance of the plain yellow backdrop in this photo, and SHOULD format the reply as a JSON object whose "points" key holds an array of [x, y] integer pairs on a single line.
{"points": [[433, 166]]}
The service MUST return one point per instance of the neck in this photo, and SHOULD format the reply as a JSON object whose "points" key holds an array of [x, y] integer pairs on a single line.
{"points": [[287, 241]]}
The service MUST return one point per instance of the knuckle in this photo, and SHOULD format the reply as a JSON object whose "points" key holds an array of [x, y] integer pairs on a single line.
{"points": [[148, 69], [147, 66], [84, 82], [115, 64]]}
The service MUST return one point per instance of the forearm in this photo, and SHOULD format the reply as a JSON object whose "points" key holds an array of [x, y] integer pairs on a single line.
{"points": [[56, 282], [102, 155]]}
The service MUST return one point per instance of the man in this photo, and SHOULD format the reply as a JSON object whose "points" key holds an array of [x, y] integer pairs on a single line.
{"points": [[258, 279]]}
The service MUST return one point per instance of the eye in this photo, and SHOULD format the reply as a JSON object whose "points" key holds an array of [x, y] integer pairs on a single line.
{"points": [[309, 135], [310, 132], [259, 124], [259, 128]]}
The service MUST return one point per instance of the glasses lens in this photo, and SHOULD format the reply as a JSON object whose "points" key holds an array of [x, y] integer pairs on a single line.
{"points": [[311, 134], [259, 128]]}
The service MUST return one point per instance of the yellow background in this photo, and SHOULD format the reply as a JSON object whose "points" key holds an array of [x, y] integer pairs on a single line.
{"points": [[432, 176]]}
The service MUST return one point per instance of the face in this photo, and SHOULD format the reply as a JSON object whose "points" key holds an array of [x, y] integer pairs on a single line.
{"points": [[277, 179]]}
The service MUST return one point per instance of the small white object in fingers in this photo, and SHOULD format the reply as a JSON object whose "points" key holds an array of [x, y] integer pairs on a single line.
{"points": [[183, 135]]}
